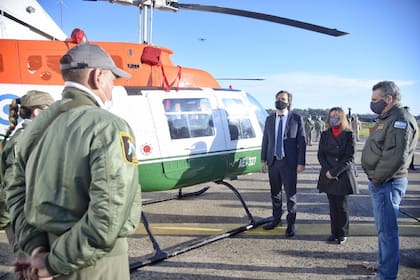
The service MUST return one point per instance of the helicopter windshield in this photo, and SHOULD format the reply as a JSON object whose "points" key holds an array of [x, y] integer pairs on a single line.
{"points": [[258, 109]]}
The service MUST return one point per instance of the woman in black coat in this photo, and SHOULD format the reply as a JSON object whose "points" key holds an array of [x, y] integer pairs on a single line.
{"points": [[337, 177]]}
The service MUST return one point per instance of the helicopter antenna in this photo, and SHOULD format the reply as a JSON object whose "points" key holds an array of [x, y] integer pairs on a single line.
{"points": [[61, 13], [152, 8], [61, 4]]}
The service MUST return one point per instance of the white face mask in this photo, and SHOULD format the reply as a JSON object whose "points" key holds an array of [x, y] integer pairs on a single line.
{"points": [[108, 105]]}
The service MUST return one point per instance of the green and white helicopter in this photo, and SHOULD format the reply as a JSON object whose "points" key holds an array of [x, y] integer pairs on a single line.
{"points": [[188, 129]]}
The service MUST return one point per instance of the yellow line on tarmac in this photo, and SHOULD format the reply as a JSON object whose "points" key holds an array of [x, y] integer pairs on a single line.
{"points": [[184, 229], [356, 229], [205, 229]]}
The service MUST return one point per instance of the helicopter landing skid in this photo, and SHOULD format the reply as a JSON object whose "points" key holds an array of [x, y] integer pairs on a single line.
{"points": [[160, 255], [180, 195]]}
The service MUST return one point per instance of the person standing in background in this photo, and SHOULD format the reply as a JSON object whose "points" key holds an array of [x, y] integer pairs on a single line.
{"points": [[356, 125], [27, 107], [411, 166], [319, 127], [309, 127]]}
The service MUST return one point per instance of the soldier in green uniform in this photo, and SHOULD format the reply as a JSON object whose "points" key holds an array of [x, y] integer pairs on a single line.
{"points": [[82, 195], [27, 108], [309, 126], [319, 127]]}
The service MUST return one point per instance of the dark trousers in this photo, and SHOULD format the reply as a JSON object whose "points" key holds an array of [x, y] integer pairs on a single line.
{"points": [[339, 215], [281, 175]]}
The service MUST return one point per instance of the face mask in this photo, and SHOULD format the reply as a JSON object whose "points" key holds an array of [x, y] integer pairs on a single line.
{"points": [[334, 121], [108, 105], [378, 107], [281, 105]]}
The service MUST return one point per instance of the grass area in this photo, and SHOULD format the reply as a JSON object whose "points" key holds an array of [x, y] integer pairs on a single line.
{"points": [[364, 131]]}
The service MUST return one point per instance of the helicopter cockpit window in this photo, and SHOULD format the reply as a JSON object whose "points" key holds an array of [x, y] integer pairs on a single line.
{"points": [[240, 126], [189, 117]]}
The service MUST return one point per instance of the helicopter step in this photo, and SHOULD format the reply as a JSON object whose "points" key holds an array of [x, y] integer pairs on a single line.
{"points": [[180, 195], [160, 255]]}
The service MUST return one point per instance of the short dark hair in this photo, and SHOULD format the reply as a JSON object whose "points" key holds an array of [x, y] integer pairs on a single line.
{"points": [[289, 97], [75, 74], [388, 88]]}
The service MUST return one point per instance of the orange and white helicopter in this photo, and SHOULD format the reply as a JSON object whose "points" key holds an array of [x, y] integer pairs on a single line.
{"points": [[188, 129]]}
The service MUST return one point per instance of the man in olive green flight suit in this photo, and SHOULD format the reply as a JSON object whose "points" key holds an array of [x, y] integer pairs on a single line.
{"points": [[82, 195], [385, 159]]}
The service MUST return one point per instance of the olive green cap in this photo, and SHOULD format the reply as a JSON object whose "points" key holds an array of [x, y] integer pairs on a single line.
{"points": [[36, 98]]}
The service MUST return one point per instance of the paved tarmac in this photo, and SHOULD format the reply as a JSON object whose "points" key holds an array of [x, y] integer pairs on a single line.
{"points": [[260, 254]]}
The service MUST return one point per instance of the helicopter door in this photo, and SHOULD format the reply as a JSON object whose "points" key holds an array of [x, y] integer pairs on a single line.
{"points": [[243, 131]]}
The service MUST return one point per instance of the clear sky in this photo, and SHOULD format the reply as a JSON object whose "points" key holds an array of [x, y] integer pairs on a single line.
{"points": [[320, 70]]}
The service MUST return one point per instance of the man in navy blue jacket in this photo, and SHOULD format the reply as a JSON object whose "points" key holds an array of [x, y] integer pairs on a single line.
{"points": [[283, 153]]}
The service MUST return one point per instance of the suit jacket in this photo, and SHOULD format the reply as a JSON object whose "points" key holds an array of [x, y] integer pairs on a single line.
{"points": [[337, 156], [294, 140]]}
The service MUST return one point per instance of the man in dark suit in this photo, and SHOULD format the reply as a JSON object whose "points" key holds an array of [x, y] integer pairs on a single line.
{"points": [[283, 153]]}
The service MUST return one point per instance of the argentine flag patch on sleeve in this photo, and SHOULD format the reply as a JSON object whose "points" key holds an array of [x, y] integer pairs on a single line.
{"points": [[400, 124]]}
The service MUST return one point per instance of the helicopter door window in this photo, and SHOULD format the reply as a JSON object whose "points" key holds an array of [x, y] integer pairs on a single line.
{"points": [[259, 110], [239, 124], [189, 117], [34, 63], [53, 62]]}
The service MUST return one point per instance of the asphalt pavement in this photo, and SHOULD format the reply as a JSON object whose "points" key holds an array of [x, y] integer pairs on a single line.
{"points": [[257, 253]]}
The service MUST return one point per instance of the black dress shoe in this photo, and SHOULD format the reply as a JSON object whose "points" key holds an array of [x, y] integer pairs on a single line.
{"points": [[331, 238], [290, 231], [341, 240], [272, 225]]}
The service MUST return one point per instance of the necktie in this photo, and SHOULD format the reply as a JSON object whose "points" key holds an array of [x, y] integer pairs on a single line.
{"points": [[279, 142]]}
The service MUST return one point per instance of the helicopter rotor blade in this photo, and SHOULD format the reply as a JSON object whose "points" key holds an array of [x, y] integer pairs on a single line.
{"points": [[261, 16], [174, 5]]}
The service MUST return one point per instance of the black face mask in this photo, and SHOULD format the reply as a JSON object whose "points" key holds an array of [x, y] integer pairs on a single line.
{"points": [[378, 107], [281, 105]]}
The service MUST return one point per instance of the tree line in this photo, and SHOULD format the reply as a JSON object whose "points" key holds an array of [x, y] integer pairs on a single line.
{"points": [[323, 113]]}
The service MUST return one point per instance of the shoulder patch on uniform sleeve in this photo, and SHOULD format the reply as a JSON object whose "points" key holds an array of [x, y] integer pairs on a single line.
{"points": [[400, 124], [128, 148]]}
